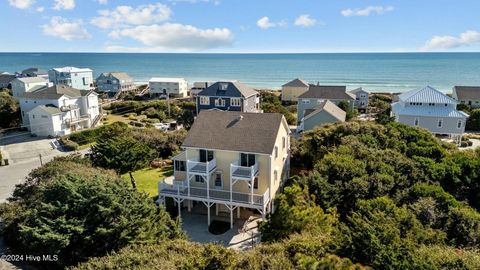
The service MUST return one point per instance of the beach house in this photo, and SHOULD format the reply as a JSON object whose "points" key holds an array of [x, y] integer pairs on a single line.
{"points": [[229, 96], [114, 83], [78, 78], [326, 112], [361, 99], [199, 87], [293, 89], [5, 80], [317, 94], [231, 161], [430, 109], [26, 84], [168, 87], [468, 95], [59, 110]]}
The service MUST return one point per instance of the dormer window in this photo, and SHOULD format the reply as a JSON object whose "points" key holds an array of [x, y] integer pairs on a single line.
{"points": [[223, 86]]}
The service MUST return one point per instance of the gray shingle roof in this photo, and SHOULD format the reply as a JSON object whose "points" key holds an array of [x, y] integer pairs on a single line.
{"points": [[296, 83], [5, 78], [119, 75], [360, 89], [233, 89], [33, 80], [330, 108], [235, 131], [467, 92], [34, 71], [327, 92], [49, 109], [55, 92]]}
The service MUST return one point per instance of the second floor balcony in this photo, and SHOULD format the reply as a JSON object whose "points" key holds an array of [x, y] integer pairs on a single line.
{"points": [[243, 172], [201, 167]]}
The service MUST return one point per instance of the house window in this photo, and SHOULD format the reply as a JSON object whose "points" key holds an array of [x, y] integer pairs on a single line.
{"points": [[179, 165], [44, 116], [284, 142], [306, 101], [218, 180], [205, 155], [247, 160], [199, 179], [223, 86], [220, 102], [319, 101], [440, 123], [33, 116], [204, 101], [459, 124], [416, 122], [276, 151], [235, 102], [275, 176]]}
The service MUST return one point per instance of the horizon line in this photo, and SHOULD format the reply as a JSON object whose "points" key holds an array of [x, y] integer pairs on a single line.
{"points": [[360, 52]]}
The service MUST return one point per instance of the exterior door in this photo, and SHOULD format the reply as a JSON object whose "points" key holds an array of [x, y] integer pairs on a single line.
{"points": [[247, 160], [205, 155]]}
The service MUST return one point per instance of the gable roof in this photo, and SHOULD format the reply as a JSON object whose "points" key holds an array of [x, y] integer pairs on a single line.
{"points": [[327, 92], [55, 92], [233, 89], [235, 131], [50, 109], [328, 107], [426, 94], [6, 78], [119, 75], [296, 83], [467, 92], [358, 90]]}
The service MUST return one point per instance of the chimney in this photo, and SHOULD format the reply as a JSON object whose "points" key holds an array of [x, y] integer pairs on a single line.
{"points": [[318, 83]]}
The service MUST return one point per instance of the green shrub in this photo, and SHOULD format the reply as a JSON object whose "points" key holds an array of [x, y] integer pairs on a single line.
{"points": [[69, 145], [150, 120], [136, 124]]}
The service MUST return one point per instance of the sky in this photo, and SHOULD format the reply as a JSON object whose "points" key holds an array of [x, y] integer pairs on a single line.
{"points": [[239, 26]]}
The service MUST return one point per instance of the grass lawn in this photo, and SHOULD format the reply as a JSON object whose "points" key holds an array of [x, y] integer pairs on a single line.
{"points": [[147, 179], [111, 118]]}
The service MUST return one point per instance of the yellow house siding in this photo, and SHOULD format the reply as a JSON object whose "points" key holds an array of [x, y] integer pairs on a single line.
{"points": [[291, 93]]}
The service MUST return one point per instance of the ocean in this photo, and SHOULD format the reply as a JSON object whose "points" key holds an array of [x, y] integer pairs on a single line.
{"points": [[375, 72]]}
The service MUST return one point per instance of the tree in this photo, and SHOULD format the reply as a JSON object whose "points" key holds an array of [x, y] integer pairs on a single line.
{"points": [[9, 110], [186, 118], [296, 213], [351, 113], [473, 122], [77, 216], [124, 154]]}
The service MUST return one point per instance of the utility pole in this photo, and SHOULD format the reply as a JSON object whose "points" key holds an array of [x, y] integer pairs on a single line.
{"points": [[41, 162]]}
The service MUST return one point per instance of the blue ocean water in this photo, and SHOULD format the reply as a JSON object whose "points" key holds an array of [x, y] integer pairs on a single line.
{"points": [[389, 72]]}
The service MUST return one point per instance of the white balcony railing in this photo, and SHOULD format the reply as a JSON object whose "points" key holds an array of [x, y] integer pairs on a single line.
{"points": [[243, 172], [197, 167], [180, 189]]}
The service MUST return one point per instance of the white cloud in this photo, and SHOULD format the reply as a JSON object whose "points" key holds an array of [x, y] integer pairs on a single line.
{"points": [[305, 20], [65, 29], [64, 4], [123, 16], [366, 11], [40, 9], [102, 2], [173, 37], [265, 23], [21, 4], [450, 42]]}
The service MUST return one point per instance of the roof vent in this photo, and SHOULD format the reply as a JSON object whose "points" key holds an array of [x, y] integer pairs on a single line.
{"points": [[240, 117]]}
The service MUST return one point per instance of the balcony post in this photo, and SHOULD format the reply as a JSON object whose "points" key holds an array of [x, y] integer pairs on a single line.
{"points": [[251, 189]]}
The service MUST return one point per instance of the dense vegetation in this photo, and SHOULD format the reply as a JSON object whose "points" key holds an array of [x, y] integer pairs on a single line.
{"points": [[387, 194], [271, 103], [182, 111], [292, 254], [9, 110], [75, 211]]}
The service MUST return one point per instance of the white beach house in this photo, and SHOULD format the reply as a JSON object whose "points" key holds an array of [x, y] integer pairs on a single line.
{"points": [[430, 109], [59, 110], [78, 78], [173, 87]]}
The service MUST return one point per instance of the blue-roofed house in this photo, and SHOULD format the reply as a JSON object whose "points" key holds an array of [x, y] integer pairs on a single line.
{"points": [[430, 109], [229, 96]]}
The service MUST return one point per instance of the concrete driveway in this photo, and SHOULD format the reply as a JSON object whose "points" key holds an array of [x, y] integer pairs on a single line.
{"points": [[21, 147]]}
